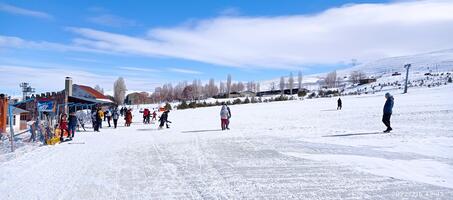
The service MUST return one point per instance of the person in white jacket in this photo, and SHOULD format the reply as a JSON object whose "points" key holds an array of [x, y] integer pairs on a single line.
{"points": [[225, 115]]}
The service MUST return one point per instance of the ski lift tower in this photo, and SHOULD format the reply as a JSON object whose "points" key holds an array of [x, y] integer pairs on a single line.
{"points": [[26, 90], [407, 66]]}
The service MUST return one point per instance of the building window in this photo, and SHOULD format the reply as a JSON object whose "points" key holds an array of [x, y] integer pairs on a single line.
{"points": [[14, 120]]}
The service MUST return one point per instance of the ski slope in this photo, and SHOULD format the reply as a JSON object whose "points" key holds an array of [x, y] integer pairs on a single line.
{"points": [[433, 62], [281, 150]]}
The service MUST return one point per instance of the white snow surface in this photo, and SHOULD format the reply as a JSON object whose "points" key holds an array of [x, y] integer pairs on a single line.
{"points": [[280, 150]]}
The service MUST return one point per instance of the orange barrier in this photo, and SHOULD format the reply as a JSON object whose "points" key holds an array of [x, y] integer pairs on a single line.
{"points": [[3, 113]]}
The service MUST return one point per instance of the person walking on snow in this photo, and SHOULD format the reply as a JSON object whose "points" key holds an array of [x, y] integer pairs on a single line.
{"points": [[101, 115], [388, 106], [72, 124], [339, 104], [128, 117], [154, 115], [225, 115], [63, 126], [115, 116], [108, 115], [164, 120]]}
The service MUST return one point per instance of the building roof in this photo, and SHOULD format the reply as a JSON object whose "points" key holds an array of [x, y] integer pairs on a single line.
{"points": [[92, 92], [18, 111]]}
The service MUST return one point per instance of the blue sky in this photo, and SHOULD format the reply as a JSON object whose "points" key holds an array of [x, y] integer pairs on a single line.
{"points": [[153, 42]]}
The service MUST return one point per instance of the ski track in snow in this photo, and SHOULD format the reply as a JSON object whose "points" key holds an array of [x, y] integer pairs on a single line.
{"points": [[281, 150]]}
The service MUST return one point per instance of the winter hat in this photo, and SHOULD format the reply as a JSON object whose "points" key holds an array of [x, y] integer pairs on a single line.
{"points": [[387, 95]]}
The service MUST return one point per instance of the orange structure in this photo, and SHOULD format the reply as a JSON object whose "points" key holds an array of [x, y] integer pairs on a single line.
{"points": [[3, 112]]}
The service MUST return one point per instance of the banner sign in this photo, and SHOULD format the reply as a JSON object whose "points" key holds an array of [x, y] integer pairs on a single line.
{"points": [[46, 106]]}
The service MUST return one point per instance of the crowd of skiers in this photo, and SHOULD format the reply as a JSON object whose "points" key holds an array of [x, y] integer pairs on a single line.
{"points": [[99, 115], [147, 116]]}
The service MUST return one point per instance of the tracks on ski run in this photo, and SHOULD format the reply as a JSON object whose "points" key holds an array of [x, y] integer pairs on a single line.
{"points": [[237, 168]]}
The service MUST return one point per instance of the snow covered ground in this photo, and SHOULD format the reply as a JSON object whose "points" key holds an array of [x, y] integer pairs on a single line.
{"points": [[281, 150]]}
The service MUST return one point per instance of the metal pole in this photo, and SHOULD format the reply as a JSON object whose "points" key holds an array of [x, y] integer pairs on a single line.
{"points": [[11, 129], [407, 66]]}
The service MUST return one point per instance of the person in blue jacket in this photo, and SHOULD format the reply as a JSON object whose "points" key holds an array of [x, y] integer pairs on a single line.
{"points": [[388, 106]]}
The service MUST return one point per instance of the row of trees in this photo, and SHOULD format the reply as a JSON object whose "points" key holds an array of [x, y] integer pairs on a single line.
{"points": [[197, 90], [332, 80], [288, 85]]}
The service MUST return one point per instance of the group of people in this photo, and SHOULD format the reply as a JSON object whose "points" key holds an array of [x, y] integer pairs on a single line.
{"points": [[147, 116], [98, 115], [68, 125], [387, 111]]}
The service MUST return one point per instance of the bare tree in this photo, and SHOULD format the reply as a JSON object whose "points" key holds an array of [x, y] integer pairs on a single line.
{"points": [[222, 88], [241, 87], [212, 89], [249, 86], [99, 89], [258, 87], [273, 86], [228, 85], [299, 80], [291, 83], [331, 79], [282, 84], [119, 91], [355, 76]]}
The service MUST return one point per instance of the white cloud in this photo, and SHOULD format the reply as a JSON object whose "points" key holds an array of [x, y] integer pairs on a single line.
{"points": [[47, 77], [337, 35], [16, 42], [22, 11], [139, 69], [230, 11], [184, 71], [361, 31], [112, 21]]}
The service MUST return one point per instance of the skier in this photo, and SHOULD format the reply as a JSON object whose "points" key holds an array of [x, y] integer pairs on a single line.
{"points": [[154, 115], [164, 119], [339, 104], [225, 115], [388, 106], [115, 116], [63, 126], [108, 115], [72, 124]]}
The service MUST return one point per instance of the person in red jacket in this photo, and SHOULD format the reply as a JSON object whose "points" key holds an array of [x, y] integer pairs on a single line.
{"points": [[146, 115], [154, 115], [63, 126], [128, 117]]}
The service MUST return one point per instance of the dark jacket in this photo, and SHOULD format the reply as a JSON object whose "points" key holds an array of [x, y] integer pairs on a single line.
{"points": [[164, 117], [388, 106], [72, 120]]}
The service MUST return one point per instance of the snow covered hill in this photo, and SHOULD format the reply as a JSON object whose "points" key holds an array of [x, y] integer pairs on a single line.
{"points": [[438, 61]]}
